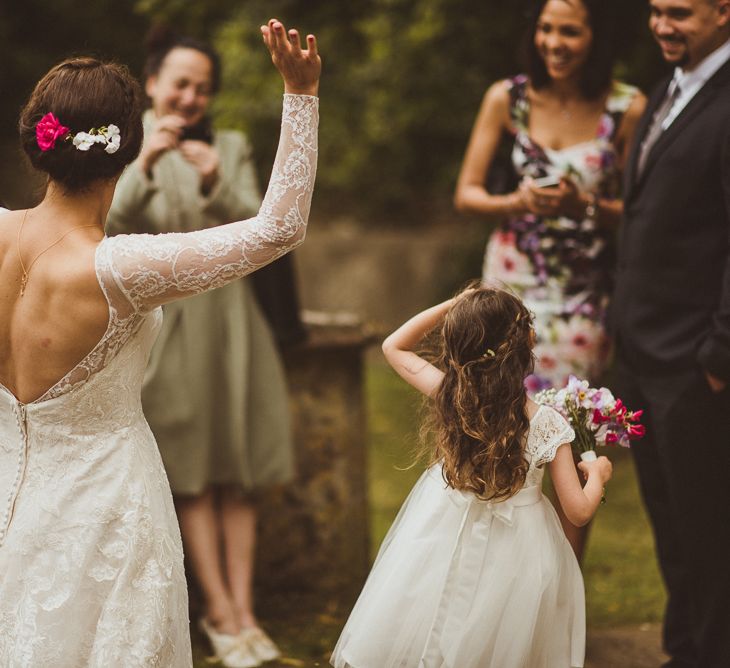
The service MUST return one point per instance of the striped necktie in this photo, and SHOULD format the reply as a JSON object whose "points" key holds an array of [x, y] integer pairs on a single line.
{"points": [[656, 129]]}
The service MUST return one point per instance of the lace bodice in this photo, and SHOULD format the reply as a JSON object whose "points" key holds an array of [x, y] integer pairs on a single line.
{"points": [[139, 272], [548, 431]]}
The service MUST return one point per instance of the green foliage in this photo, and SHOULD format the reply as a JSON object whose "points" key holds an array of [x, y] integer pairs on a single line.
{"points": [[37, 34], [401, 85]]}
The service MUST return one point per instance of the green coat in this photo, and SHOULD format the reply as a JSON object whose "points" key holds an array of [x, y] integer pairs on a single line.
{"points": [[214, 393]]}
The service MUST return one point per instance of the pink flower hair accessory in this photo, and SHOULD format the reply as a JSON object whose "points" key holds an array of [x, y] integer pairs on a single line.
{"points": [[48, 130]]}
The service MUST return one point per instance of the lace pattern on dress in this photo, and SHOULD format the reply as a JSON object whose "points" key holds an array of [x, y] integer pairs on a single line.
{"points": [[548, 431], [154, 269], [139, 272]]}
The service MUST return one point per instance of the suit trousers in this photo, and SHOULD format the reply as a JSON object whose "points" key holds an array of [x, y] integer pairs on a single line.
{"points": [[683, 466]]}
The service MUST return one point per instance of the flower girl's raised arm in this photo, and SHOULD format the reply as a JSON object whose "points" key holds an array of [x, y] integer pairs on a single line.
{"points": [[398, 349], [154, 269]]}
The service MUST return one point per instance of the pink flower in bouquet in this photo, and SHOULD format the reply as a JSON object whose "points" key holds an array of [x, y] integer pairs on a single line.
{"points": [[599, 418], [603, 399], [611, 438], [635, 431], [619, 410], [48, 130]]}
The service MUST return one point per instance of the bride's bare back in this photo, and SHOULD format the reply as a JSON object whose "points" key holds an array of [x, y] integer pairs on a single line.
{"points": [[63, 313]]}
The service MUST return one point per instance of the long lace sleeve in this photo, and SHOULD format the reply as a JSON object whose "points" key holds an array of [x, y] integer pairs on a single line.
{"points": [[151, 270]]}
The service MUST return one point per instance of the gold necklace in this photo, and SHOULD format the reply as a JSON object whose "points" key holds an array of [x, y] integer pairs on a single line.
{"points": [[26, 271]]}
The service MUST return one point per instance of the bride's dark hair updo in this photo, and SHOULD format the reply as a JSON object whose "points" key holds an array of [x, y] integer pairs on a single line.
{"points": [[84, 93]]}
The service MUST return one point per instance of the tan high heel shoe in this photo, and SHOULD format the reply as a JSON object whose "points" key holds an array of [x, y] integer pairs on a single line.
{"points": [[260, 643], [229, 649]]}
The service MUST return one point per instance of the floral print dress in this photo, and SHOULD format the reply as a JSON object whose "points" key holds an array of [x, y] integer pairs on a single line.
{"points": [[561, 268]]}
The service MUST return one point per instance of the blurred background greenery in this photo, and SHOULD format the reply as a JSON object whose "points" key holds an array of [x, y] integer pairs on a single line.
{"points": [[401, 85]]}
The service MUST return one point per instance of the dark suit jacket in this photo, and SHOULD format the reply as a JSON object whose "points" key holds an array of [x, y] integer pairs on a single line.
{"points": [[671, 306]]}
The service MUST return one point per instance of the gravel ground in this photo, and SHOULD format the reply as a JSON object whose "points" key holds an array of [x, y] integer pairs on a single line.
{"points": [[628, 647]]}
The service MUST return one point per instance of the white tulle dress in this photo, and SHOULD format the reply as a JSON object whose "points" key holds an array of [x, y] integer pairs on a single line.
{"points": [[464, 583], [91, 562]]}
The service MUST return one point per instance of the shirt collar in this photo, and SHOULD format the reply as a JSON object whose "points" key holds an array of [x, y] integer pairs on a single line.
{"points": [[697, 77]]}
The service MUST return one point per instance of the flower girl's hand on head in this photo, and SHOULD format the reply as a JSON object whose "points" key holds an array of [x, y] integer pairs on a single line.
{"points": [[464, 293], [601, 467], [300, 68]]}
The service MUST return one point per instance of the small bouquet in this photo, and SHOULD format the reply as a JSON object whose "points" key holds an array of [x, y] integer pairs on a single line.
{"points": [[597, 417]]}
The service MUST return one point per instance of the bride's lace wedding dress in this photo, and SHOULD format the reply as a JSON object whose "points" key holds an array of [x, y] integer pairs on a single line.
{"points": [[91, 563]]}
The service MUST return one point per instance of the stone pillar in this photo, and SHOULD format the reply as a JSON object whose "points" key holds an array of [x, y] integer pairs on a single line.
{"points": [[314, 533]]}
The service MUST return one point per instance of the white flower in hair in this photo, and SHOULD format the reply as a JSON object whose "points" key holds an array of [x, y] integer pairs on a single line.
{"points": [[113, 145], [107, 135], [113, 139], [83, 141]]}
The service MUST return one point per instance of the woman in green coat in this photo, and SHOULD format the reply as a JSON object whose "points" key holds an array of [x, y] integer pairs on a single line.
{"points": [[215, 393]]}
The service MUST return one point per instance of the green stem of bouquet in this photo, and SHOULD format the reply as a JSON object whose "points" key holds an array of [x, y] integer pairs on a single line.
{"points": [[585, 438]]}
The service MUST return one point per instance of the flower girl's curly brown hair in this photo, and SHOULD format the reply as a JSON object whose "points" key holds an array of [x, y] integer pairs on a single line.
{"points": [[478, 417]]}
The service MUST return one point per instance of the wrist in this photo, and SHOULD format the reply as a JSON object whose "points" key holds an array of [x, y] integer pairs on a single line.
{"points": [[515, 203], [294, 89]]}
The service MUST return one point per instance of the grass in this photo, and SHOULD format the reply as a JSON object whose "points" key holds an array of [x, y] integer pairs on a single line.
{"points": [[623, 586]]}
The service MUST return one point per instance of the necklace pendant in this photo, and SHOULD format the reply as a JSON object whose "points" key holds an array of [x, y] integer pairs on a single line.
{"points": [[23, 282]]}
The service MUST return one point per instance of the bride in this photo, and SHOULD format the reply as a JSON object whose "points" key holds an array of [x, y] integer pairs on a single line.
{"points": [[91, 564]]}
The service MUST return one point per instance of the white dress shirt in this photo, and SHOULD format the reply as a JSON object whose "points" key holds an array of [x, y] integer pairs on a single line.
{"points": [[691, 82]]}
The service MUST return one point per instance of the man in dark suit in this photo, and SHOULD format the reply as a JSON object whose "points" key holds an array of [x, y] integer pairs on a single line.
{"points": [[671, 320]]}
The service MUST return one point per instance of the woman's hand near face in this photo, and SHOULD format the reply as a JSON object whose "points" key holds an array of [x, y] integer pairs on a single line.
{"points": [[205, 159], [300, 68], [164, 137]]}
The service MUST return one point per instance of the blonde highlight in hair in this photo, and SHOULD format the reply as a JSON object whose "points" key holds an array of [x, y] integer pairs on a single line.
{"points": [[477, 419]]}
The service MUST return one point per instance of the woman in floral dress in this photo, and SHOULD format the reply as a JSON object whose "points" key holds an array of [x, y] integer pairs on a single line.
{"points": [[570, 122]]}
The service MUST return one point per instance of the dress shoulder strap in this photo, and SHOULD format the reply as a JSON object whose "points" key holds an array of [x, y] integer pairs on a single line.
{"points": [[519, 103], [617, 103], [620, 97]]}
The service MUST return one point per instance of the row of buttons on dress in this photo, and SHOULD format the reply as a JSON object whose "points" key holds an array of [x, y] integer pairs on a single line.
{"points": [[22, 417]]}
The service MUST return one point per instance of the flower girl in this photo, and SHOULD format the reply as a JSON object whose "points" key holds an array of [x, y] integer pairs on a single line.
{"points": [[475, 571]]}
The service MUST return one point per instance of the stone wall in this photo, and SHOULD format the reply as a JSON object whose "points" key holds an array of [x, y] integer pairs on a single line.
{"points": [[314, 532], [385, 275]]}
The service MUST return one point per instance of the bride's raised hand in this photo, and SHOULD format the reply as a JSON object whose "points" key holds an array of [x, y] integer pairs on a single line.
{"points": [[300, 68]]}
